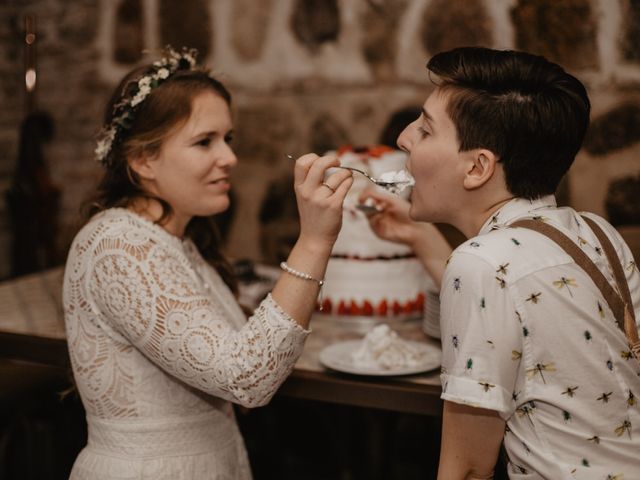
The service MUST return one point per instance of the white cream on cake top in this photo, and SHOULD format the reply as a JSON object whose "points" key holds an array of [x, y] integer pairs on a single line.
{"points": [[381, 348]]}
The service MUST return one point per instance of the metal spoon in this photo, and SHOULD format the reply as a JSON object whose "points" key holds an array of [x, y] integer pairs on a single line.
{"points": [[393, 187]]}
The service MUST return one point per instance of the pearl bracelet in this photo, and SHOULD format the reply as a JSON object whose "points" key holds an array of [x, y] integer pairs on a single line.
{"points": [[303, 276]]}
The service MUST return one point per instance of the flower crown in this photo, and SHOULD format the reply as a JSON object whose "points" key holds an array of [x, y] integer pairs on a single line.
{"points": [[124, 111]]}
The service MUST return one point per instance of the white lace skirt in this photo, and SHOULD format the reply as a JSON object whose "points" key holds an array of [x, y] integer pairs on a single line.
{"points": [[207, 447]]}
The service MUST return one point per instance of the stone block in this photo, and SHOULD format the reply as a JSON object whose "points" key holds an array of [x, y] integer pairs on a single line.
{"points": [[261, 133], [326, 133], [631, 31], [250, 24], [563, 32], [449, 24], [128, 35], [315, 22], [186, 24], [616, 129], [380, 36]]}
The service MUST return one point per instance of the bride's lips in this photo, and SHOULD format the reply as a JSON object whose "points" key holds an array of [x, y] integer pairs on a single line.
{"points": [[221, 183]]}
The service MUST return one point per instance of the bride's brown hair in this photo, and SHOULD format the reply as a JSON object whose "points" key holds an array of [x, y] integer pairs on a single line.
{"points": [[165, 109]]}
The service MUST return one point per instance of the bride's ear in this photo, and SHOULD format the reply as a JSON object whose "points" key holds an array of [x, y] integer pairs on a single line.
{"points": [[481, 166], [142, 164]]}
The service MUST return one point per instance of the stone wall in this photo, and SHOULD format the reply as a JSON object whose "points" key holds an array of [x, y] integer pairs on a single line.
{"points": [[308, 75]]}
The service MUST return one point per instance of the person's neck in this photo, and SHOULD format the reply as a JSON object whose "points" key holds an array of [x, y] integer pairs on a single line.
{"points": [[152, 210], [470, 222]]}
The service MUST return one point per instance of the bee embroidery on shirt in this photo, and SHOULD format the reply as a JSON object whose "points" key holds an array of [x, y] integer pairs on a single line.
{"points": [[610, 365], [604, 397], [514, 396], [516, 355], [534, 297], [566, 415], [456, 284], [502, 269], [595, 439], [486, 386], [585, 462], [600, 310], [565, 282], [527, 410], [454, 341], [632, 266], [491, 344], [570, 391], [515, 242], [483, 303], [598, 250], [501, 282], [539, 368], [525, 331], [631, 399], [626, 354], [587, 335], [469, 365], [626, 426]]}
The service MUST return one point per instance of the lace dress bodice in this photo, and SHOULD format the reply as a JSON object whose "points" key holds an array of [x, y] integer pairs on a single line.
{"points": [[159, 347]]}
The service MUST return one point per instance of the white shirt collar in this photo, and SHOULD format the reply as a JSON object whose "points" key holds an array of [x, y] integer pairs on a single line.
{"points": [[515, 209]]}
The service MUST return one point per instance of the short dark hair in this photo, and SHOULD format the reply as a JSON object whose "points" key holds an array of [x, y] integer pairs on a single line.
{"points": [[528, 111]]}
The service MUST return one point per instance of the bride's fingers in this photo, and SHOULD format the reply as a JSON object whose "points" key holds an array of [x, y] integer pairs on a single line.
{"points": [[342, 189], [316, 173], [303, 164]]}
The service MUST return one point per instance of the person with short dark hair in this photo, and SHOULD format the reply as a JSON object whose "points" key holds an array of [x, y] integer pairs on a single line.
{"points": [[533, 354], [159, 345]]}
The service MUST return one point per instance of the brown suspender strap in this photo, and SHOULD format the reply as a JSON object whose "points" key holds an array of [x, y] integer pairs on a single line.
{"points": [[614, 261], [620, 303]]}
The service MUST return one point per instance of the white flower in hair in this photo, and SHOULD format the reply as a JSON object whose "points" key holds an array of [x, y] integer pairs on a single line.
{"points": [[124, 110]]}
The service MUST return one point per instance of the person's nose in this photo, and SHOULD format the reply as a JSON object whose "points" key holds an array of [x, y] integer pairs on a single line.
{"points": [[228, 158], [405, 138]]}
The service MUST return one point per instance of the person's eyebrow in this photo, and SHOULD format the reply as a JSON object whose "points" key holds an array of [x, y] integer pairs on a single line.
{"points": [[426, 116]]}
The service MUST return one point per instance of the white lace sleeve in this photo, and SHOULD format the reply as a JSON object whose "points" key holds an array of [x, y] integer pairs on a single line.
{"points": [[151, 295]]}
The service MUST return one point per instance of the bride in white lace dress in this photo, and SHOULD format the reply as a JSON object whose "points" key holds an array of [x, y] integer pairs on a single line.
{"points": [[158, 344]]}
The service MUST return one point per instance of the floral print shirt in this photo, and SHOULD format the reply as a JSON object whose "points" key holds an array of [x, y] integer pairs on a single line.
{"points": [[526, 333]]}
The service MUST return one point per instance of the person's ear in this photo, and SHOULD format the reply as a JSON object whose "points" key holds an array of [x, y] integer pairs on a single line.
{"points": [[142, 163], [480, 168]]}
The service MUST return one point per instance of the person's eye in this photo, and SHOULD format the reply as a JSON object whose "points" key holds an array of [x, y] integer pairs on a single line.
{"points": [[205, 142], [228, 138], [423, 133]]}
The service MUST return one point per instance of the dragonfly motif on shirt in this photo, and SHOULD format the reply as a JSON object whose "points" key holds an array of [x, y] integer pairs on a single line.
{"points": [[501, 282], [632, 266], [626, 426], [526, 410], [604, 397], [502, 269], [570, 391], [539, 368], [565, 282], [486, 386], [534, 297]]}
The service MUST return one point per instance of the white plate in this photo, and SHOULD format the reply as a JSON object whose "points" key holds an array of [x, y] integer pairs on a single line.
{"points": [[338, 357]]}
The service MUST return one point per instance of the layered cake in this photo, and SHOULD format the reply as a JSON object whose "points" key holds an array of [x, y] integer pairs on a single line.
{"points": [[367, 276]]}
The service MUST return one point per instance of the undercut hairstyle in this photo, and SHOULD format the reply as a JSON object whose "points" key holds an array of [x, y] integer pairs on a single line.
{"points": [[528, 111]]}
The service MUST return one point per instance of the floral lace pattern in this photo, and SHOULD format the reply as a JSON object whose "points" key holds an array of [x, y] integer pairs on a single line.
{"points": [[156, 336]]}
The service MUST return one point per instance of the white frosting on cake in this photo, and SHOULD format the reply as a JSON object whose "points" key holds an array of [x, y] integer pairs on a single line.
{"points": [[367, 275], [381, 348]]}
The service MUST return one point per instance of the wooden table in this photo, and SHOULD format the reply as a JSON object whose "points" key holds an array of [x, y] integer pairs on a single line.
{"points": [[32, 328]]}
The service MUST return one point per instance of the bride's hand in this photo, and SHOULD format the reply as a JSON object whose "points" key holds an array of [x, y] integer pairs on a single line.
{"points": [[320, 199]]}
